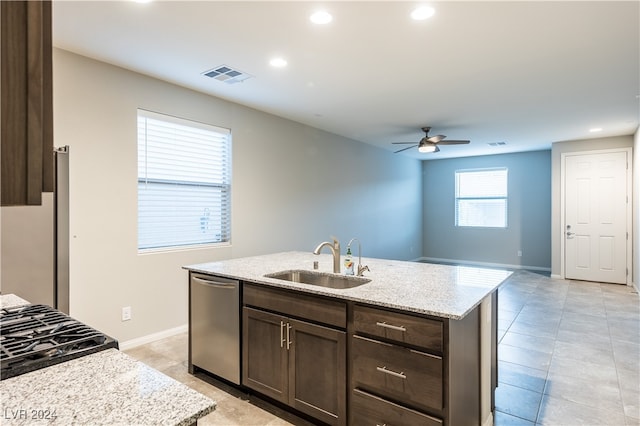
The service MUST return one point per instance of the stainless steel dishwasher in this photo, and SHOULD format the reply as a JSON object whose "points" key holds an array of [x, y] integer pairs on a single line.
{"points": [[214, 333]]}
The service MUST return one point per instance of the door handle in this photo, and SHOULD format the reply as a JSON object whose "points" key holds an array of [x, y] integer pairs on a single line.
{"points": [[282, 334], [569, 233], [288, 336]]}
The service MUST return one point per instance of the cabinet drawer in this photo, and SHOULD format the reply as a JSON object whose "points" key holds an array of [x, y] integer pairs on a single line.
{"points": [[367, 409], [402, 328], [297, 304], [397, 373]]}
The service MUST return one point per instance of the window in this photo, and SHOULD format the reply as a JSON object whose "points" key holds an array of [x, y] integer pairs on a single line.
{"points": [[184, 183], [481, 198]]}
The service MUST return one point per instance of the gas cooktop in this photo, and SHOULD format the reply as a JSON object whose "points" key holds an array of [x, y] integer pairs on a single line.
{"points": [[37, 336]]}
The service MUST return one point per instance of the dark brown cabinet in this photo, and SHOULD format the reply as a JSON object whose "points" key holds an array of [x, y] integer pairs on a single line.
{"points": [[265, 357], [344, 362], [368, 409], [397, 373], [26, 110], [413, 370], [300, 362]]}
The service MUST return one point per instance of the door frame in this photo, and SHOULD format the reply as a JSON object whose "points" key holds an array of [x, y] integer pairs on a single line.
{"points": [[563, 157]]}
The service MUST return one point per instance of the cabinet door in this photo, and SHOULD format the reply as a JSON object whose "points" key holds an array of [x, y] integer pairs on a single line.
{"points": [[317, 371], [26, 105], [264, 353]]}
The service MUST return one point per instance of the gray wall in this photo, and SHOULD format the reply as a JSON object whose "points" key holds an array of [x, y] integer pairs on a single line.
{"points": [[293, 186], [529, 213]]}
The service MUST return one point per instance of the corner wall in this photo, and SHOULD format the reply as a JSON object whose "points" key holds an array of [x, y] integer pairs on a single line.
{"points": [[528, 221], [292, 187]]}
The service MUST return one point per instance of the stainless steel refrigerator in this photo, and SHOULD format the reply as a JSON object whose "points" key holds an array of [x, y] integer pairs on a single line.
{"points": [[34, 249]]}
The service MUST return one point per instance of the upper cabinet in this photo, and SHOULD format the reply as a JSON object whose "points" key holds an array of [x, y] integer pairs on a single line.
{"points": [[26, 109]]}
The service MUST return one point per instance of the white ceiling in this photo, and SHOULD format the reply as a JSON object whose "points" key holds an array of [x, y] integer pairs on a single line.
{"points": [[525, 73]]}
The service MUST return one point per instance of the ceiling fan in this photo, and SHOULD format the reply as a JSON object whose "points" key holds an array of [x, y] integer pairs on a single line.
{"points": [[429, 143]]}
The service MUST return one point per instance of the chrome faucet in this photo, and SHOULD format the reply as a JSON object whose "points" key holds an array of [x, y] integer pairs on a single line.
{"points": [[361, 268], [335, 251]]}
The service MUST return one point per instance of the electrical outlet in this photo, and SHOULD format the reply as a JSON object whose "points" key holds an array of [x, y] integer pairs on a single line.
{"points": [[519, 253], [126, 313]]}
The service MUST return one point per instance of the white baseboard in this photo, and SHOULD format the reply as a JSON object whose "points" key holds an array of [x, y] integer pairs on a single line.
{"points": [[139, 341], [556, 276], [484, 264]]}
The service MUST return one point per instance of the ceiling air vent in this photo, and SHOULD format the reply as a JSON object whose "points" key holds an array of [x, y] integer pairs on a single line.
{"points": [[227, 74], [496, 143]]}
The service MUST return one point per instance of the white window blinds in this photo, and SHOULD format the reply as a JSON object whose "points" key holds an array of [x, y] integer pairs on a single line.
{"points": [[481, 198], [184, 182]]}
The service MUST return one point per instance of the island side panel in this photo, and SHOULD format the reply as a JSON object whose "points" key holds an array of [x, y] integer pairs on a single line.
{"points": [[464, 370]]}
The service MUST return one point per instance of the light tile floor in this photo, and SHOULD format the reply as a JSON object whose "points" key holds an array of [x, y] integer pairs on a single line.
{"points": [[569, 354], [234, 408]]}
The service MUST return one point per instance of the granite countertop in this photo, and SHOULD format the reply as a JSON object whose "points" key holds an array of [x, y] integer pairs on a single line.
{"points": [[11, 301], [104, 388], [425, 288]]}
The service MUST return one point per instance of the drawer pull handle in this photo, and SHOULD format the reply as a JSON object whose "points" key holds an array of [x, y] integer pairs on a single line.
{"points": [[393, 327], [282, 334], [391, 372]]}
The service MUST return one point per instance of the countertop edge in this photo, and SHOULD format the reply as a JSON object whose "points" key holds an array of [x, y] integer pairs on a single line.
{"points": [[218, 268]]}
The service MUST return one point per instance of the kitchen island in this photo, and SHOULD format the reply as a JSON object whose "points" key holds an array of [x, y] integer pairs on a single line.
{"points": [[424, 288], [417, 344], [103, 388]]}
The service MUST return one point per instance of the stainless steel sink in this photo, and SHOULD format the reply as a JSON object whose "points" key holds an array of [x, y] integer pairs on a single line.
{"points": [[319, 278]]}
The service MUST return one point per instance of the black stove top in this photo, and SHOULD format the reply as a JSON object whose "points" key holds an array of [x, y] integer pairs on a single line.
{"points": [[38, 336]]}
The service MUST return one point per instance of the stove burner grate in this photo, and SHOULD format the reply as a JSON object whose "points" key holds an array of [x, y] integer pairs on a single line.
{"points": [[37, 336]]}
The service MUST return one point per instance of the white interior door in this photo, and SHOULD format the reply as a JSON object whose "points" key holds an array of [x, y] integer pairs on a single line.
{"points": [[596, 217]]}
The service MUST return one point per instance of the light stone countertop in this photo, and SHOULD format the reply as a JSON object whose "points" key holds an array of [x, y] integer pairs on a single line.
{"points": [[425, 288], [105, 388], [11, 301]]}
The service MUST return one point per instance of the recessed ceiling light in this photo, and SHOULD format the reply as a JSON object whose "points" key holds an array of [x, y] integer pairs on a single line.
{"points": [[143, 1], [595, 129], [423, 12], [321, 17], [278, 62]]}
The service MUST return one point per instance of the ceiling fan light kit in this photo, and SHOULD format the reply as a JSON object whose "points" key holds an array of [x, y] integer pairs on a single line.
{"points": [[426, 147], [429, 144]]}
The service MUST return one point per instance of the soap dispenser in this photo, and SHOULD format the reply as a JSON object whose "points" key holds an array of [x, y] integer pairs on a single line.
{"points": [[348, 263]]}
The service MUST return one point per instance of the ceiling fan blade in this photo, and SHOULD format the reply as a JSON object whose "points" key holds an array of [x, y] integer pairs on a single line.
{"points": [[402, 143], [453, 142], [436, 138], [404, 149]]}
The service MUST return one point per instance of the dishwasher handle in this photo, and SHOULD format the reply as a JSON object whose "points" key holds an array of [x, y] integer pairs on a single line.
{"points": [[217, 284]]}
